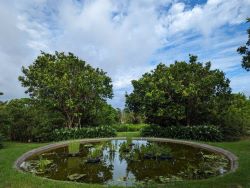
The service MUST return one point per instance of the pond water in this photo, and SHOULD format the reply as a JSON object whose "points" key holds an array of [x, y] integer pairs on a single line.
{"points": [[126, 163]]}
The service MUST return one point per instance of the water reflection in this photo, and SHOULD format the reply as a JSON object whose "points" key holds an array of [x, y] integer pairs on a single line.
{"points": [[124, 162]]}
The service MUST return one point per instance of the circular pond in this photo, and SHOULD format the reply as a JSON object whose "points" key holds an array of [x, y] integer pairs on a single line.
{"points": [[127, 162]]}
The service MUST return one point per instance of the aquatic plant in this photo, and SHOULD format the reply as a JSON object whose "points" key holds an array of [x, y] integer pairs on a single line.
{"points": [[155, 151], [76, 176], [126, 146], [95, 154], [147, 162], [168, 179], [40, 166], [210, 165]]}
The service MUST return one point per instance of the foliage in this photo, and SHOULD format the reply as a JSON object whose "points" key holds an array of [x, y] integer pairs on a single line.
{"points": [[236, 120], [69, 85], [128, 127], [40, 166], [107, 115], [211, 165], [130, 117], [245, 51], [154, 150], [95, 153], [1, 140], [126, 146], [87, 132], [136, 152], [202, 132], [43, 164], [181, 94], [26, 120], [4, 120]]}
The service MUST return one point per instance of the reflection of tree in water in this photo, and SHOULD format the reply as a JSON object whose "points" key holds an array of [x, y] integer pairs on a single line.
{"points": [[130, 166], [102, 171], [143, 168], [148, 169], [97, 172]]}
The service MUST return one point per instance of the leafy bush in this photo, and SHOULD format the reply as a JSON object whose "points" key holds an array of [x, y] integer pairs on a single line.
{"points": [[232, 127], [236, 120], [24, 120], [89, 132], [202, 132], [128, 127]]}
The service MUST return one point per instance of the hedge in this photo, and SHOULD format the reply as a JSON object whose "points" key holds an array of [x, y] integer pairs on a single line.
{"points": [[79, 133], [1, 140], [201, 132]]}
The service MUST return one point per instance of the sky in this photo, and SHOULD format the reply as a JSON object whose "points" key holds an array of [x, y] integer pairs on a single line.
{"points": [[125, 38]]}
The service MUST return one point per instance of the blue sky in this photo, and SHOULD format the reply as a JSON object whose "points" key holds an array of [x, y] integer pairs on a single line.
{"points": [[125, 38]]}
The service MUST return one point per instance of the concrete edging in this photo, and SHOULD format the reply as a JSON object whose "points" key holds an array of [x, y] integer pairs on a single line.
{"points": [[232, 158]]}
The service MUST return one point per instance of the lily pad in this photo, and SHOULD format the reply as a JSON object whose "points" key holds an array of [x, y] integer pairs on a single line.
{"points": [[88, 145], [75, 177]]}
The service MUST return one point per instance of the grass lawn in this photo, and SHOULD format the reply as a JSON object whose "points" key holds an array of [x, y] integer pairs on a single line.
{"points": [[9, 177], [128, 134]]}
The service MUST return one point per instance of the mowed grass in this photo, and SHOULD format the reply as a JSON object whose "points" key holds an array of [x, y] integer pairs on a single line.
{"points": [[9, 177], [128, 134]]}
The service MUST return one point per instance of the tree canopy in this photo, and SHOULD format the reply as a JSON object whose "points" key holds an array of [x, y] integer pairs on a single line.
{"points": [[69, 85], [180, 94], [245, 51]]}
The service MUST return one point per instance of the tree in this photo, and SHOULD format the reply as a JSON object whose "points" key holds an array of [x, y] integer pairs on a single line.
{"points": [[236, 120], [107, 115], [3, 118], [245, 51], [131, 117], [181, 94], [68, 84], [26, 120]]}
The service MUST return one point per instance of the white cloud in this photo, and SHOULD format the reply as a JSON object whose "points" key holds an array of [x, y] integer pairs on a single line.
{"points": [[122, 37]]}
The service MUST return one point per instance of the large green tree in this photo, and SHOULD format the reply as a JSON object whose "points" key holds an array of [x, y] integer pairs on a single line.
{"points": [[245, 51], [68, 84], [26, 120], [183, 93]]}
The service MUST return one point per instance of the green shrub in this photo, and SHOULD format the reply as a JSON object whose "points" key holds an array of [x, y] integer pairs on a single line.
{"points": [[79, 133], [236, 120], [26, 120], [232, 127], [202, 132], [129, 127]]}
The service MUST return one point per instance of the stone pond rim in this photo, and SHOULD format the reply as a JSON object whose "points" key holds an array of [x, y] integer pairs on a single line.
{"points": [[232, 158]]}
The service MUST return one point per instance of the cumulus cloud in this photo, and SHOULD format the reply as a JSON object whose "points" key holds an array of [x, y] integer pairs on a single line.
{"points": [[125, 38]]}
